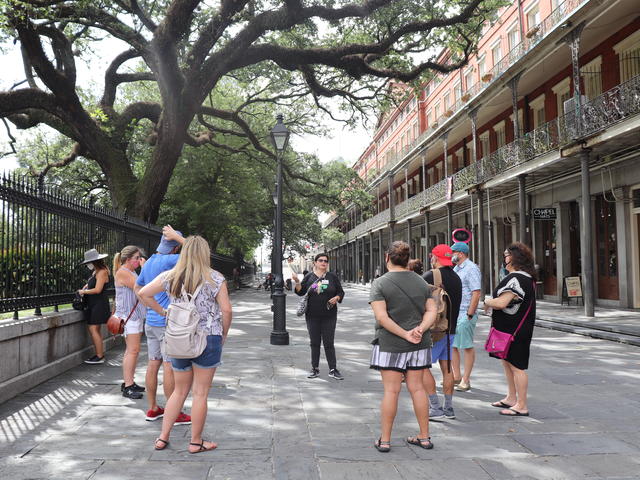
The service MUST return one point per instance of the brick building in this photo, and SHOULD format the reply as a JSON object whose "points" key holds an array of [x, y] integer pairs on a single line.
{"points": [[508, 147]]}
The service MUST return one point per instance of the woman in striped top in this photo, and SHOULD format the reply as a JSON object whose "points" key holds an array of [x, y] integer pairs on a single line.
{"points": [[127, 306]]}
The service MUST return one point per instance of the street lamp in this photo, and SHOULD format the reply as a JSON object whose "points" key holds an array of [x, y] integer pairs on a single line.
{"points": [[279, 335]]}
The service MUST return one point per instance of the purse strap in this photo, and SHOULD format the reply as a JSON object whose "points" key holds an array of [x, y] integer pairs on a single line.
{"points": [[131, 312], [413, 302], [528, 309]]}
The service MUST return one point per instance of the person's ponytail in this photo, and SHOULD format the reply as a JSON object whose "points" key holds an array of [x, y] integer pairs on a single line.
{"points": [[116, 263]]}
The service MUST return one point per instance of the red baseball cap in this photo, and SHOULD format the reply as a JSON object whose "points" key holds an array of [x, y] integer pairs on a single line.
{"points": [[443, 253]]}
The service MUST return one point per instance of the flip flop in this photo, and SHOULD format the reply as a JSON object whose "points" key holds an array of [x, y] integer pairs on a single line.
{"points": [[501, 404], [514, 414], [381, 446], [202, 448], [165, 443]]}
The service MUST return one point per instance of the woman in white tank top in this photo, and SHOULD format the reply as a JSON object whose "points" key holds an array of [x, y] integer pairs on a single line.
{"points": [[127, 306]]}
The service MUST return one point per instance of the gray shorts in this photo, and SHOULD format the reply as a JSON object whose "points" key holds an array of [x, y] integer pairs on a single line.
{"points": [[154, 342]]}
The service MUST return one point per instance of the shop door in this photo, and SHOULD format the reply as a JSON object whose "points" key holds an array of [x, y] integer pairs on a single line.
{"points": [[607, 249], [549, 258]]}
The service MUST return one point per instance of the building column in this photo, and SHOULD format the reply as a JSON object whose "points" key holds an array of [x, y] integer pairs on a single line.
{"points": [[409, 232], [522, 209], [473, 116], [406, 183], [392, 199], [480, 237], [449, 220], [513, 85], [381, 252], [427, 233], [586, 236], [572, 39], [424, 170], [445, 146], [372, 261]]}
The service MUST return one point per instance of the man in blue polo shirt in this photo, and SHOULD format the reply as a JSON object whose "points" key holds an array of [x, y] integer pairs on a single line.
{"points": [[164, 259]]}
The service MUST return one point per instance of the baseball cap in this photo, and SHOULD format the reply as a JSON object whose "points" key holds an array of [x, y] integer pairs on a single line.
{"points": [[460, 247], [165, 246], [443, 253]]}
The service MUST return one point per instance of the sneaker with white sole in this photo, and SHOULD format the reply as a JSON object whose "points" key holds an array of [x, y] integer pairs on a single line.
{"points": [[436, 413], [95, 360], [313, 373], [183, 419], [153, 415], [335, 373], [448, 413]]}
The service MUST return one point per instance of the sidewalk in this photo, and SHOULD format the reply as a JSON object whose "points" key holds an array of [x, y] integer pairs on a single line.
{"points": [[271, 422], [616, 325]]}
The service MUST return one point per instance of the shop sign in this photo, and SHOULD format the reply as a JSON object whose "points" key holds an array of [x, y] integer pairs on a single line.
{"points": [[544, 213], [574, 286]]}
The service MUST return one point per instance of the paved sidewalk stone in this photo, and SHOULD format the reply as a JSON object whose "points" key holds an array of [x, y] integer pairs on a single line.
{"points": [[271, 422]]}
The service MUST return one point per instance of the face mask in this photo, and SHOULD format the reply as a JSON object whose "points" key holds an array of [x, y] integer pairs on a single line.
{"points": [[90, 266], [455, 259]]}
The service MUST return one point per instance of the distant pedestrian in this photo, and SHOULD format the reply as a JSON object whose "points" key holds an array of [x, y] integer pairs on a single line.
{"points": [[514, 301], [415, 265], [404, 311], [324, 293], [236, 278], [165, 258], [95, 290], [192, 272], [471, 278], [129, 308], [442, 350]]}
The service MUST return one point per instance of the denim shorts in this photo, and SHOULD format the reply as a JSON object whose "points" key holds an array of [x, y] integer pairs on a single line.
{"points": [[210, 358]]}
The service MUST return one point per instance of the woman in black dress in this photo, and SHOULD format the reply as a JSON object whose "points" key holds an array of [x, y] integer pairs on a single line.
{"points": [[514, 299], [322, 312], [97, 312]]}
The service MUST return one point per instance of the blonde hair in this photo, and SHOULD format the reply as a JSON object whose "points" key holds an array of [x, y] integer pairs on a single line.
{"points": [[193, 267], [123, 255]]}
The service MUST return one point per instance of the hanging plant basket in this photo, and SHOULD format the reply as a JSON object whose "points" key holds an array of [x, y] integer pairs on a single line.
{"points": [[487, 77], [532, 32], [465, 97], [448, 113]]}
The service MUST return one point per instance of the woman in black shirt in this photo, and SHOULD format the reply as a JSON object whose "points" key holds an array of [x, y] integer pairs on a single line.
{"points": [[324, 293]]}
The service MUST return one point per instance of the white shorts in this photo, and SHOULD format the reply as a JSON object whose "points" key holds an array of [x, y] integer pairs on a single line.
{"points": [[134, 326]]}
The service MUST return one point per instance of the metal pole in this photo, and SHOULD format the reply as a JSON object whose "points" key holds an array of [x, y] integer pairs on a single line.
{"points": [[38, 258], [481, 256], [449, 220], [427, 234], [491, 257], [371, 260], [522, 208], [409, 232], [586, 239], [279, 335]]}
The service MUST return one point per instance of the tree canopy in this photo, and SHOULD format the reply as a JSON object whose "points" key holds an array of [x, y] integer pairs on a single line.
{"points": [[290, 54]]}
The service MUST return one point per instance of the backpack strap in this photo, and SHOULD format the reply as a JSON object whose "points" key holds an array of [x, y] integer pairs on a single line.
{"points": [[437, 278]]}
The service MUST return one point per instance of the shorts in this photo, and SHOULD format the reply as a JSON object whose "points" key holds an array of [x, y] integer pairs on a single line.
{"points": [[464, 330], [134, 326], [439, 349], [154, 342], [400, 362], [210, 358]]}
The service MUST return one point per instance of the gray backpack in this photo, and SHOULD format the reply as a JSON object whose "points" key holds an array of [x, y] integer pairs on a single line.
{"points": [[183, 338]]}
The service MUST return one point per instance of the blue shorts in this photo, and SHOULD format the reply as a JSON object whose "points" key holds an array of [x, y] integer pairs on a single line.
{"points": [[439, 349], [210, 358]]}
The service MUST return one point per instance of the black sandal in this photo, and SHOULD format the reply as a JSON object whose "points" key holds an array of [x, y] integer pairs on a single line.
{"points": [[165, 444], [420, 442], [202, 448], [381, 446]]}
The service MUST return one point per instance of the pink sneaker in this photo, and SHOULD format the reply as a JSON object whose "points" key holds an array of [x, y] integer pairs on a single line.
{"points": [[153, 415], [183, 419]]}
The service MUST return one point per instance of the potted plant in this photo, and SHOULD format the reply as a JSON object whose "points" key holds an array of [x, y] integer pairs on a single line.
{"points": [[465, 97], [487, 77], [448, 113]]}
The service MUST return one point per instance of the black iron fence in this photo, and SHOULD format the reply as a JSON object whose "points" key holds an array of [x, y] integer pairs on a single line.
{"points": [[44, 234]]}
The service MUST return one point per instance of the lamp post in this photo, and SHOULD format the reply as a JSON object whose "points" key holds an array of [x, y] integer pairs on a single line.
{"points": [[279, 335]]}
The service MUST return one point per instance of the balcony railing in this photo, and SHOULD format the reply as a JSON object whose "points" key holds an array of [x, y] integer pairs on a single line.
{"points": [[613, 106]]}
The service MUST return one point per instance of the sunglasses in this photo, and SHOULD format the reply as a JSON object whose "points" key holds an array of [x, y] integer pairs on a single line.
{"points": [[322, 260]]}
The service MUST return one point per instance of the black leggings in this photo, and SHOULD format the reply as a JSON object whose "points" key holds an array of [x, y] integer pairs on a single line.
{"points": [[322, 329]]}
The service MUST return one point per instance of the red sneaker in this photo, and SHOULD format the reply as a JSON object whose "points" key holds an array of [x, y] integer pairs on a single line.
{"points": [[183, 419], [153, 415]]}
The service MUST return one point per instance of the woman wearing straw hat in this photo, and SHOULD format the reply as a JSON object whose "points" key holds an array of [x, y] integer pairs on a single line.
{"points": [[97, 312]]}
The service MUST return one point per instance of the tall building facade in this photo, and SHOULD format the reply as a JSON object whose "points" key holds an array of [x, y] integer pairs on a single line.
{"points": [[537, 140]]}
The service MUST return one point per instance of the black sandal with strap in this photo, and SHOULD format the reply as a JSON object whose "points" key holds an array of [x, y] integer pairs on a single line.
{"points": [[202, 448], [165, 444], [420, 442], [381, 446]]}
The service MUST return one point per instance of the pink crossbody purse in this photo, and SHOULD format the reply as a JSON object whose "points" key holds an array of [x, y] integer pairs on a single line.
{"points": [[498, 343]]}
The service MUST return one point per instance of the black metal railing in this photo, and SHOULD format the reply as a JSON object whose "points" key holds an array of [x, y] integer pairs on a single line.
{"points": [[44, 234]]}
